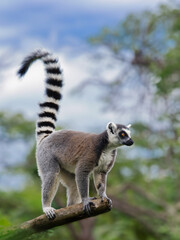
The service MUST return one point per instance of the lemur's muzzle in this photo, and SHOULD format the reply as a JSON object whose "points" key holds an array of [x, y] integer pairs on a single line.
{"points": [[129, 142]]}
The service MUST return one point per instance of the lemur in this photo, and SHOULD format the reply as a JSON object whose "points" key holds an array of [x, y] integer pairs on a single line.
{"points": [[68, 156]]}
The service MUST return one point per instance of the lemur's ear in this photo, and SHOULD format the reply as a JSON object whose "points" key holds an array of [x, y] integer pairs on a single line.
{"points": [[129, 125], [111, 127]]}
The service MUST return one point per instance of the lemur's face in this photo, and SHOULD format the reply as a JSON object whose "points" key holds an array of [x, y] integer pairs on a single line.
{"points": [[119, 134]]}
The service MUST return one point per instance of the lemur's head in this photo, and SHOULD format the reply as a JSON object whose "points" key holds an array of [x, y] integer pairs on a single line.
{"points": [[119, 134]]}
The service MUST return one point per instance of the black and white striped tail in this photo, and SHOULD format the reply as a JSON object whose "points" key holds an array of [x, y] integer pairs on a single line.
{"points": [[49, 108]]}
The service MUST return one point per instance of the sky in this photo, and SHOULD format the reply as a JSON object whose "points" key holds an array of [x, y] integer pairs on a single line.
{"points": [[63, 27]]}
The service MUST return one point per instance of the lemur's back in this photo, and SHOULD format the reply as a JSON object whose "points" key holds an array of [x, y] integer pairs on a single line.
{"points": [[68, 146]]}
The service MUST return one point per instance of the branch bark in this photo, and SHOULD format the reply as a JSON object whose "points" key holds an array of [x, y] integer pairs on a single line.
{"points": [[63, 216]]}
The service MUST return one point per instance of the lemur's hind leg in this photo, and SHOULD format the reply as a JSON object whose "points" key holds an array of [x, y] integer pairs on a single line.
{"points": [[68, 180], [50, 176], [49, 188]]}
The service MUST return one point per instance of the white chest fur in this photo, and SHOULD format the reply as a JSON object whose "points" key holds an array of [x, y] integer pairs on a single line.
{"points": [[106, 160]]}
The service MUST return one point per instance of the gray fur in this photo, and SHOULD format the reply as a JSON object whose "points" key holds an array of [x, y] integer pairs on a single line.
{"points": [[76, 155], [69, 156]]}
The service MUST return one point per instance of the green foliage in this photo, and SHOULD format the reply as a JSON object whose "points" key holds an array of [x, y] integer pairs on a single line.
{"points": [[15, 125]]}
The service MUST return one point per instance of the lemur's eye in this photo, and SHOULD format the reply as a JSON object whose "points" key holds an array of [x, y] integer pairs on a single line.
{"points": [[122, 134]]}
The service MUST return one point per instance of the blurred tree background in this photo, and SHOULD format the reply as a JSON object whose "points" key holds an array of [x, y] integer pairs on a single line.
{"points": [[143, 52]]}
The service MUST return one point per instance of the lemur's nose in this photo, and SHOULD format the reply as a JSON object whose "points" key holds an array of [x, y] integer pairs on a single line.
{"points": [[129, 142]]}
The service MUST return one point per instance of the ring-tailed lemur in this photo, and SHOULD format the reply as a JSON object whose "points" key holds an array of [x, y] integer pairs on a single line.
{"points": [[69, 156]]}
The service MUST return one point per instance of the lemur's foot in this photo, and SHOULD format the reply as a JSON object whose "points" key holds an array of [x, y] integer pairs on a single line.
{"points": [[108, 200], [50, 213], [92, 198], [87, 204]]}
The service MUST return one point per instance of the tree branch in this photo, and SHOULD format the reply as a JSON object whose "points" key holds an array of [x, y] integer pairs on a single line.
{"points": [[63, 216]]}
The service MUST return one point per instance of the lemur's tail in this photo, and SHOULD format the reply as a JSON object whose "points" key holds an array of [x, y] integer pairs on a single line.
{"points": [[49, 108]]}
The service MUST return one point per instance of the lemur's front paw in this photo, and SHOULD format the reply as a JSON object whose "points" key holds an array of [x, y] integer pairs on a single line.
{"points": [[109, 203], [50, 213], [87, 204], [108, 200]]}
